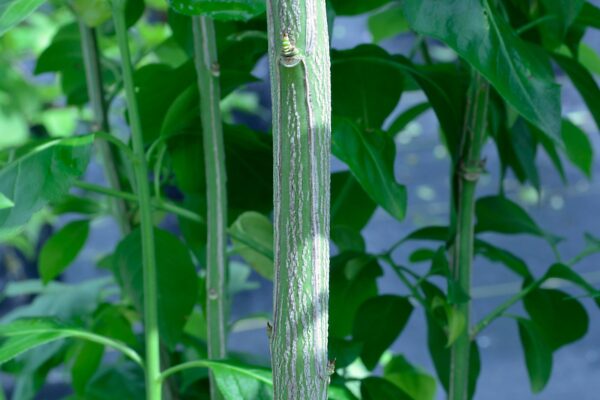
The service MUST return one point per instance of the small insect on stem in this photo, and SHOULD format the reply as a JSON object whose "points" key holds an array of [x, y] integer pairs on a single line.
{"points": [[287, 48]]}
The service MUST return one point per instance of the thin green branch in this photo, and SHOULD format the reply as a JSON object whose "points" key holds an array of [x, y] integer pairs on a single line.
{"points": [[151, 333], [95, 88], [207, 70]]}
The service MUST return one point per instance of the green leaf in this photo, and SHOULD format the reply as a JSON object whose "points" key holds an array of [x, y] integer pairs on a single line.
{"points": [[578, 147], [355, 7], [343, 351], [178, 290], [584, 82], [353, 280], [234, 379], [62, 248], [43, 174], [120, 381], [414, 381], [376, 88], [387, 23], [589, 58], [370, 157], [561, 271], [499, 214], [561, 318], [377, 324], [374, 388], [524, 145], [519, 71], [351, 206], [589, 16], [538, 355], [25, 334], [339, 393], [92, 12], [564, 13], [252, 237], [14, 11], [406, 117], [497, 254], [5, 202], [220, 9]]}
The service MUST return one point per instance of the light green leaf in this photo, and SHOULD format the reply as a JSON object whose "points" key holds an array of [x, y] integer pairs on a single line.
{"points": [[25, 334], [538, 355], [178, 290], [252, 236], [93, 12], [14, 11], [5, 202], [578, 147], [414, 381], [387, 23], [235, 380], [220, 9], [370, 156], [62, 249], [519, 71], [43, 174]]}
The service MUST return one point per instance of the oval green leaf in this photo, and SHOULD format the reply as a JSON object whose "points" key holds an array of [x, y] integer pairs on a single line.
{"points": [[62, 249]]}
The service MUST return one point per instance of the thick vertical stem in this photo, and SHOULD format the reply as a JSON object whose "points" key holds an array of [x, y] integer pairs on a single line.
{"points": [[152, 339], [468, 170], [300, 91], [207, 69], [93, 76]]}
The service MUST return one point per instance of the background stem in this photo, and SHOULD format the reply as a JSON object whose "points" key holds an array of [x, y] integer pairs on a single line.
{"points": [[467, 172], [301, 96], [152, 339], [95, 88], [207, 69]]}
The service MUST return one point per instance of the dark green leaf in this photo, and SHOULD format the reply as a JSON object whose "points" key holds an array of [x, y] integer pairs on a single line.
{"points": [[497, 254], [563, 13], [387, 22], [14, 11], [578, 147], [374, 388], [121, 381], [220, 9], [589, 16], [343, 351], [561, 318], [354, 7], [584, 82], [524, 145], [406, 117], [538, 355], [499, 214], [561, 271], [378, 322], [178, 290], [351, 206], [412, 380], [43, 174], [75, 204], [370, 156], [376, 85], [347, 239], [518, 70], [252, 237], [62, 249], [353, 280]]}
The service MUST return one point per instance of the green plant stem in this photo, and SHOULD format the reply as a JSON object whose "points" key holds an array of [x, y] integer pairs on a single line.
{"points": [[93, 75], [301, 97], [501, 309], [159, 204], [152, 338], [467, 172], [207, 70]]}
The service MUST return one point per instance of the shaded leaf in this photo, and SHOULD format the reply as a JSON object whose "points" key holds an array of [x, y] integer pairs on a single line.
{"points": [[497, 254], [370, 156], [374, 388], [178, 290], [354, 7], [560, 318], [578, 147], [351, 206], [499, 214], [220, 9], [378, 322], [387, 23], [252, 236], [406, 117], [538, 355], [14, 11], [62, 248]]}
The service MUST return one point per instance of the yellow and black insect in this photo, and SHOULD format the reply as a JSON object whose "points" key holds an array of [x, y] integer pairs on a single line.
{"points": [[287, 48]]}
